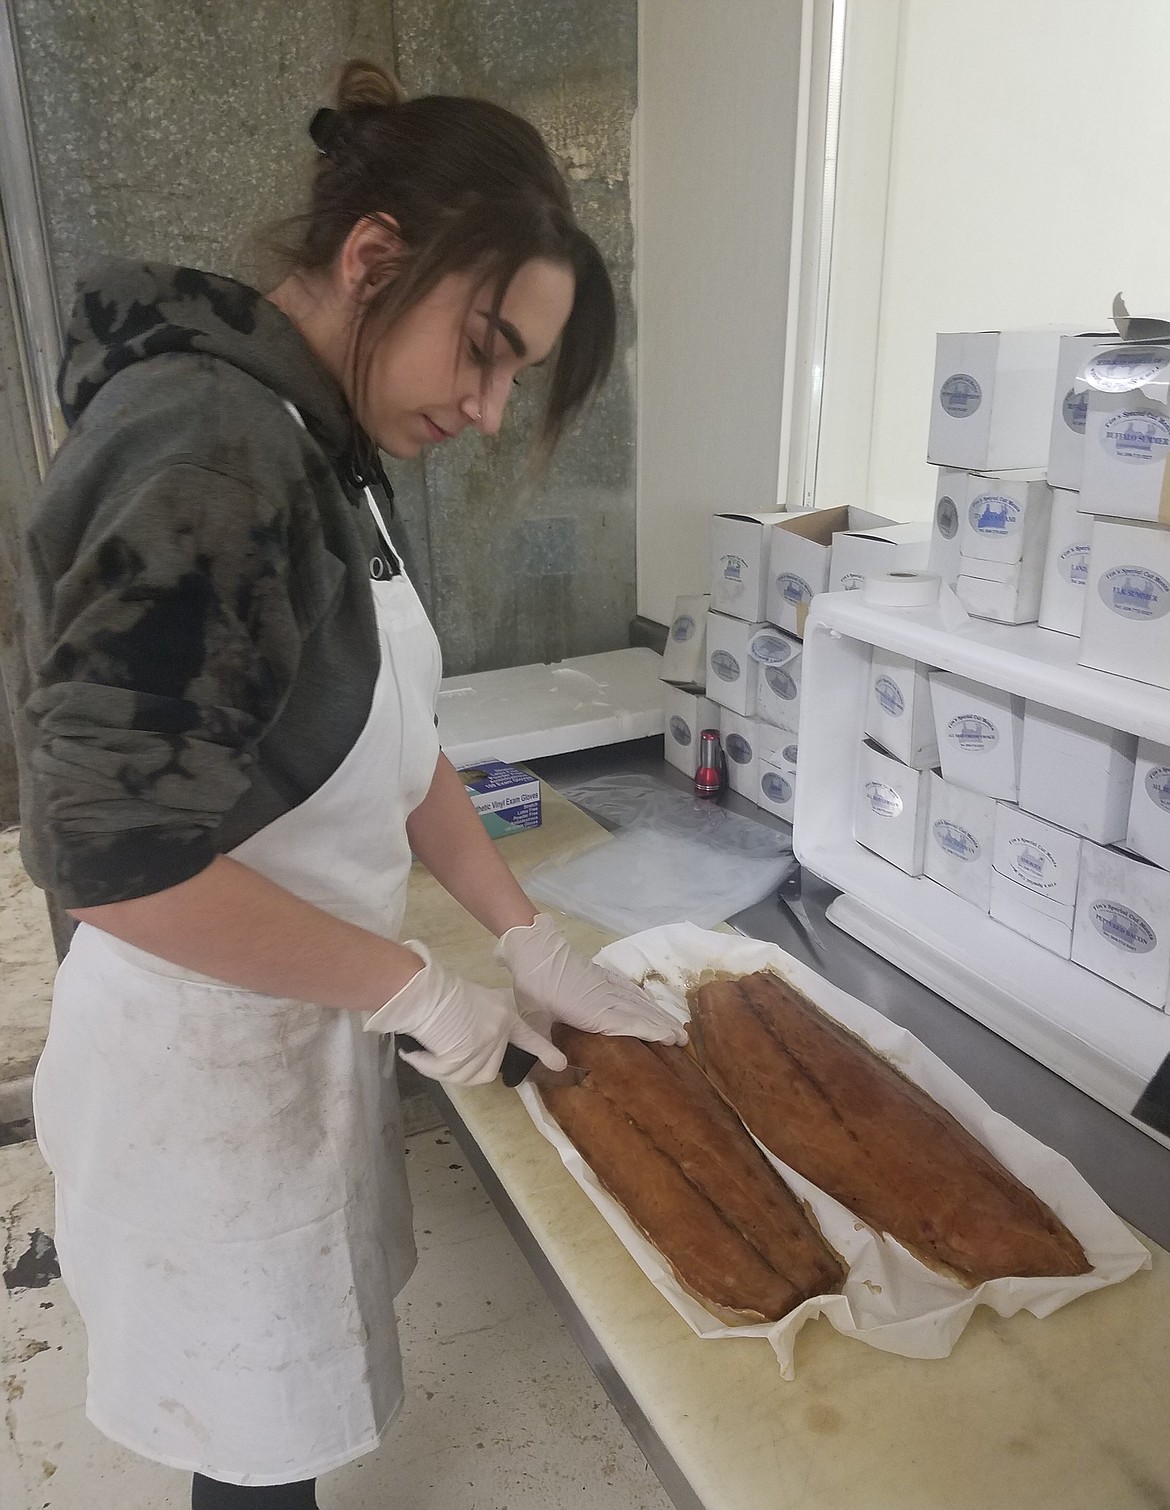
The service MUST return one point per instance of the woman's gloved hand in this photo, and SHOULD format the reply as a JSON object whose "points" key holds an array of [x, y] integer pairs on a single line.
{"points": [[552, 981], [464, 1028]]}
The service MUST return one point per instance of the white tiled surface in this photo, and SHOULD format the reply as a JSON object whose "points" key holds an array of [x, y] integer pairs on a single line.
{"points": [[502, 1412]]}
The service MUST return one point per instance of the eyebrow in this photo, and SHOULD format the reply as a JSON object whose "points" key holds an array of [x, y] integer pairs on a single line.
{"points": [[509, 332]]}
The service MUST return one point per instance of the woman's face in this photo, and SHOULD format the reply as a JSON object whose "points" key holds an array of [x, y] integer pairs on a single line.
{"points": [[427, 378]]}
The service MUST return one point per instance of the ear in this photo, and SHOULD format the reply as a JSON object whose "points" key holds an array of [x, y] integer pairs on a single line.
{"points": [[370, 256]]}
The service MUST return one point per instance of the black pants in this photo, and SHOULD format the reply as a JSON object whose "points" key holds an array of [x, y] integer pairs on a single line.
{"points": [[210, 1494]]}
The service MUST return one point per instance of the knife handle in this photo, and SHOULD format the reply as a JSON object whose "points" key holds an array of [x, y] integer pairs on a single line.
{"points": [[515, 1066]]}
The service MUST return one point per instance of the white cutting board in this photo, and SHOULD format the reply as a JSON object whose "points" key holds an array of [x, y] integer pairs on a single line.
{"points": [[524, 712]]}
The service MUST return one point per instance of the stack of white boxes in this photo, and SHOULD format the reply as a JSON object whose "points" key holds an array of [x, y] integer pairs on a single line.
{"points": [[752, 666], [896, 760], [688, 709], [1056, 826], [1125, 497], [990, 425], [1052, 505]]}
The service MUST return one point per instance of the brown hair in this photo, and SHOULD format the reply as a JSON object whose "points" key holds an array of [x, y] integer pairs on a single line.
{"points": [[472, 187]]}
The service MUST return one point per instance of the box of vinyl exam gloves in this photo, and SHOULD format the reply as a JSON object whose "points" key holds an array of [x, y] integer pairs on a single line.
{"points": [[506, 798]]}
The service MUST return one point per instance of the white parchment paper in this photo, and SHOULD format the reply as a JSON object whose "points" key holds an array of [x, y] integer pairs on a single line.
{"points": [[890, 1299]]}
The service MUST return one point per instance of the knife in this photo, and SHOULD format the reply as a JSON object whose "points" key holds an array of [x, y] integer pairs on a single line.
{"points": [[518, 1064]]}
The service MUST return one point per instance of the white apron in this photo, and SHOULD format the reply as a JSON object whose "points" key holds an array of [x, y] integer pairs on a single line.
{"points": [[233, 1218]]}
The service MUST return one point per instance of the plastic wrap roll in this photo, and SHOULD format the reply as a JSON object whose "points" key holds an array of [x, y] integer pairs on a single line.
{"points": [[901, 589]]}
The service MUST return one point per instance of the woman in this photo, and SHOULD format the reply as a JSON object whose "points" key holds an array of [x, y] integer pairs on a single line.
{"points": [[230, 755]]}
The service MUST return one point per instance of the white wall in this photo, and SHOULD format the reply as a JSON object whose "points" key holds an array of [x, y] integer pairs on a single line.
{"points": [[715, 148], [1027, 185]]}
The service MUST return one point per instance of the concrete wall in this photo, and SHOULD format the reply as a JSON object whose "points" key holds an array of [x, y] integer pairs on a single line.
{"points": [[171, 132], [527, 570]]}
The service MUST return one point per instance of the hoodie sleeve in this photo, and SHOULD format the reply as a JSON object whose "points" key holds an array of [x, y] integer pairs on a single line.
{"points": [[172, 643]]}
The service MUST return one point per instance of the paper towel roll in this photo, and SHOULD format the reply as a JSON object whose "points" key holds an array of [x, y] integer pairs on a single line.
{"points": [[901, 589]]}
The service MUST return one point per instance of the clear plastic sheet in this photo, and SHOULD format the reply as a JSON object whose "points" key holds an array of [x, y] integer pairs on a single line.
{"points": [[673, 858]]}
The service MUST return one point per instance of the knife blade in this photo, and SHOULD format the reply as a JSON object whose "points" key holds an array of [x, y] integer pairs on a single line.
{"points": [[518, 1065]]}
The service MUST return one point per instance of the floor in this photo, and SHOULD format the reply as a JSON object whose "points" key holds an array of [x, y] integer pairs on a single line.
{"points": [[502, 1411]]}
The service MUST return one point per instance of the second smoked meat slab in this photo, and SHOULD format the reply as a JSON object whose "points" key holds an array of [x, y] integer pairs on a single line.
{"points": [[839, 1114]]}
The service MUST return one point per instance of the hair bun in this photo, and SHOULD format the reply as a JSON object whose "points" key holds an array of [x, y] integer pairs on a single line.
{"points": [[362, 85]]}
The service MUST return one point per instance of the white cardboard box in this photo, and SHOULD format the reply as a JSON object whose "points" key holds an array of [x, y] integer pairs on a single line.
{"points": [[800, 554], [684, 661], [688, 713], [1066, 565], [1148, 831], [1037, 855], [732, 671], [950, 505], [1066, 443], [1126, 625], [960, 837], [1127, 431], [778, 691], [1007, 516], [1039, 918], [1007, 591], [978, 730], [777, 789], [891, 810], [898, 714], [1076, 773], [992, 400], [741, 746], [857, 554], [1122, 929], [740, 547]]}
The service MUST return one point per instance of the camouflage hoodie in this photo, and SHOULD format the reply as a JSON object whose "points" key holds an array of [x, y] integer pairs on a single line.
{"points": [[197, 618]]}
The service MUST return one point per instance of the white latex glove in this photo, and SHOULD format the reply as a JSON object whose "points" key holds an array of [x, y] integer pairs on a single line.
{"points": [[464, 1028], [551, 980]]}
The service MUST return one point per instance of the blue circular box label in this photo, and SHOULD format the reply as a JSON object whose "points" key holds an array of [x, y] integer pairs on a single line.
{"points": [[883, 799], [680, 730], [1073, 410], [973, 732], [1136, 436], [995, 514], [738, 749], [956, 840], [724, 665], [960, 395], [793, 589], [770, 648], [1124, 370], [1073, 565], [684, 628], [781, 682], [1123, 928], [733, 568], [852, 581], [1033, 865], [889, 696], [788, 754], [1135, 592], [946, 517], [775, 788], [1158, 786]]}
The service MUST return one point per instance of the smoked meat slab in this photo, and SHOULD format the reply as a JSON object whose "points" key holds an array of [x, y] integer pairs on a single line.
{"points": [[843, 1117], [668, 1149]]}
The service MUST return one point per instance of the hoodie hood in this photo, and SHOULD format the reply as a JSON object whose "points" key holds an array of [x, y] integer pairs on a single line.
{"points": [[127, 312]]}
